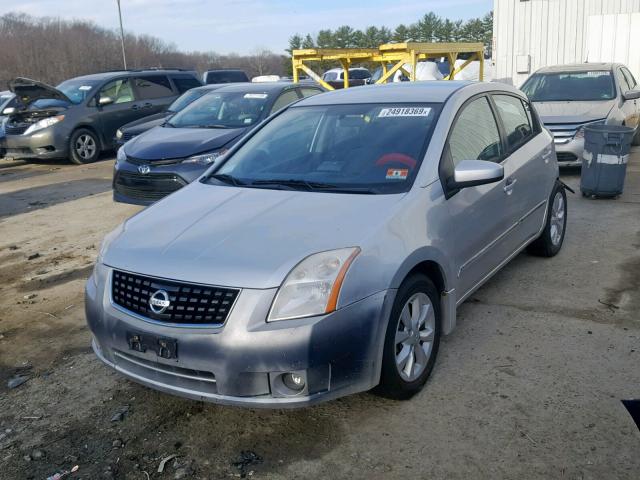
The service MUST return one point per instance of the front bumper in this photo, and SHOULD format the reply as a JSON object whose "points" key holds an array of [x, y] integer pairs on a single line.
{"points": [[569, 153], [132, 186], [48, 143], [242, 362]]}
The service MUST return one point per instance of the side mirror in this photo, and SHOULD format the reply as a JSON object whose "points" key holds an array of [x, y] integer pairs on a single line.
{"points": [[469, 173], [631, 95], [9, 111], [105, 101]]}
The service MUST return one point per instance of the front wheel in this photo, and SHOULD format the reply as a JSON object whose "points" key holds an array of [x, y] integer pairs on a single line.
{"points": [[412, 339], [84, 147], [550, 241]]}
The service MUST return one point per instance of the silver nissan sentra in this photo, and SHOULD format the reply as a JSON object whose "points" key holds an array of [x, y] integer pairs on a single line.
{"points": [[327, 252]]}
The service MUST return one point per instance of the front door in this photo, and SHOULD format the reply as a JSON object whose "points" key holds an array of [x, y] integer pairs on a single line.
{"points": [[122, 109], [480, 220]]}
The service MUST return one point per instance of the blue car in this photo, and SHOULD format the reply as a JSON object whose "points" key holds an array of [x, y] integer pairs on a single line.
{"points": [[168, 157]]}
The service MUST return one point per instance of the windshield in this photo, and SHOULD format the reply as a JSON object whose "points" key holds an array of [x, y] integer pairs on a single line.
{"points": [[226, 77], [78, 90], [185, 99], [570, 86], [368, 148], [222, 110], [5, 98]]}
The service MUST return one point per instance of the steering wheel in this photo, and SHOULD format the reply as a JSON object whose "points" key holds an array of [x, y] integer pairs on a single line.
{"points": [[397, 158]]}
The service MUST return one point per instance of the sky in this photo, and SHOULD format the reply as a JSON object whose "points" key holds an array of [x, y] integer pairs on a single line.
{"points": [[244, 26]]}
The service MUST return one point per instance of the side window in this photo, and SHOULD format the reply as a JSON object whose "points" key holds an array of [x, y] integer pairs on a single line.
{"points": [[153, 86], [517, 123], [309, 92], [185, 83], [475, 135], [118, 90], [629, 77], [284, 99], [622, 79]]}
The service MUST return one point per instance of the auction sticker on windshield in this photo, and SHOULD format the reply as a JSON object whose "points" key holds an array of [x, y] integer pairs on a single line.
{"points": [[397, 173], [405, 112], [255, 95]]}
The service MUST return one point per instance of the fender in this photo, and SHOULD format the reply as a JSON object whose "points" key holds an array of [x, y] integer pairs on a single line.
{"points": [[447, 289]]}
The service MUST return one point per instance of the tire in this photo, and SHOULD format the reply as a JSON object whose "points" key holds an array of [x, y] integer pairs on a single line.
{"points": [[84, 146], [549, 243], [398, 380]]}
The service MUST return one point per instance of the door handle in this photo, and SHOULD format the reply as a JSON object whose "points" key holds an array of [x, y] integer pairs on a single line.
{"points": [[135, 107], [508, 186], [147, 105], [547, 155]]}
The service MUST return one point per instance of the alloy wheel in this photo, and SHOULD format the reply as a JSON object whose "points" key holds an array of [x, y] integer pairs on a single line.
{"points": [[414, 336], [557, 218], [85, 146]]}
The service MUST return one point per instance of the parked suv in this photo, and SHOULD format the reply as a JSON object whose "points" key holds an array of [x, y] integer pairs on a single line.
{"points": [[570, 97], [79, 118], [224, 76]]}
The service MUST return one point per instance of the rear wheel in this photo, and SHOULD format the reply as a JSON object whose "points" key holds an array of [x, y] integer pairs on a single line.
{"points": [[412, 339], [84, 146], [550, 241]]}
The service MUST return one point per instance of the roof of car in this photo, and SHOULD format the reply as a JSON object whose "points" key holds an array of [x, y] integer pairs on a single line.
{"points": [[340, 69], [400, 92], [263, 87], [578, 67], [115, 73]]}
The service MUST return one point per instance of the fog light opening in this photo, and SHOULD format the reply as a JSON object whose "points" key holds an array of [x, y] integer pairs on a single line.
{"points": [[293, 381]]}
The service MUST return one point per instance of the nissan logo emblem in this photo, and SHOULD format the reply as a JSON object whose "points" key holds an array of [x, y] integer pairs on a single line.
{"points": [[144, 169], [159, 301]]}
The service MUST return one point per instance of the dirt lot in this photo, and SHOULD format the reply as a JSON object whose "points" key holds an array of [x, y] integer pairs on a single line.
{"points": [[528, 385]]}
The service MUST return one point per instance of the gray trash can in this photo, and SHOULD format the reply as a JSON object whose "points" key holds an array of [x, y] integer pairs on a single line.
{"points": [[604, 160]]}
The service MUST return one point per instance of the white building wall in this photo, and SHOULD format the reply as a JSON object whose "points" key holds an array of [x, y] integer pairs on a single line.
{"points": [[550, 32]]}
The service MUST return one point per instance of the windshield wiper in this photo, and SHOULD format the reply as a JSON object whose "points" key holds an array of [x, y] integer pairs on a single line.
{"points": [[226, 178], [313, 186], [214, 126]]}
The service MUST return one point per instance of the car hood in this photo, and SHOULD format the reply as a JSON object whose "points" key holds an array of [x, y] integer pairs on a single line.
{"points": [[573, 112], [242, 237], [164, 143], [28, 91]]}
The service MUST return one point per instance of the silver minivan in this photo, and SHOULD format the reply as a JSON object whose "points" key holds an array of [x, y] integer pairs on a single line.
{"points": [[327, 252], [570, 97]]}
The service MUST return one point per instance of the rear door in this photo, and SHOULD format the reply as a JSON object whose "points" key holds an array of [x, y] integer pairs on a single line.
{"points": [[527, 171], [122, 109], [480, 220], [154, 92]]}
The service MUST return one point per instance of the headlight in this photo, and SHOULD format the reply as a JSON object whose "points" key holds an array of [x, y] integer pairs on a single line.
{"points": [[118, 134], [99, 273], [205, 158], [580, 132], [121, 156], [313, 286], [44, 123]]}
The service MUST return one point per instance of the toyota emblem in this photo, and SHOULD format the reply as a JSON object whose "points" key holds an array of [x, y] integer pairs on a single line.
{"points": [[159, 301], [144, 169]]}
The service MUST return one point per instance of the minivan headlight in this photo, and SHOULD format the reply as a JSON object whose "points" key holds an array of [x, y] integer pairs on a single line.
{"points": [[313, 286], [44, 123], [118, 134], [205, 158]]}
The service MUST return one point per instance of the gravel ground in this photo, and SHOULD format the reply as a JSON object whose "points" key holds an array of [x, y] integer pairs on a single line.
{"points": [[527, 386]]}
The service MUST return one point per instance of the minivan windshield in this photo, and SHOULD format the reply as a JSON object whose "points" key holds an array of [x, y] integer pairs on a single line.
{"points": [[78, 90], [363, 148], [222, 110], [570, 86]]}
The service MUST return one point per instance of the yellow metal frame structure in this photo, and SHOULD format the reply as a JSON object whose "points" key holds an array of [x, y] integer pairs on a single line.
{"points": [[397, 54]]}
